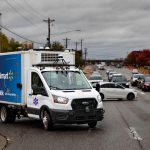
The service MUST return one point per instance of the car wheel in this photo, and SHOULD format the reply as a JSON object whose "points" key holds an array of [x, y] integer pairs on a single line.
{"points": [[102, 96], [92, 124], [130, 96], [46, 120]]}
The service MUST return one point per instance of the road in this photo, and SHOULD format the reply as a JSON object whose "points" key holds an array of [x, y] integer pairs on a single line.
{"points": [[126, 126]]}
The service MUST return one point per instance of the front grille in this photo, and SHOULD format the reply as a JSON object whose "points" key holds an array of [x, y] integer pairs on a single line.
{"points": [[79, 104]]}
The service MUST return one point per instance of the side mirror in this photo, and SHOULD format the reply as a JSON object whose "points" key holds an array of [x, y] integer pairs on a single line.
{"points": [[97, 87]]}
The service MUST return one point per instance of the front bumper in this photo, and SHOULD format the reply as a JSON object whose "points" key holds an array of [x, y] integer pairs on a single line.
{"points": [[76, 116]]}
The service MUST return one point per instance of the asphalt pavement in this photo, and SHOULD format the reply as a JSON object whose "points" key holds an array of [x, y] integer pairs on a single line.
{"points": [[3, 142]]}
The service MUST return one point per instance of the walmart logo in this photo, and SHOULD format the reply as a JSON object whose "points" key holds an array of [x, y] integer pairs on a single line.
{"points": [[10, 75], [7, 76]]}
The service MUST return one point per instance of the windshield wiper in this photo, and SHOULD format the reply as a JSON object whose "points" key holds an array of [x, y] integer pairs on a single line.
{"points": [[54, 87]]}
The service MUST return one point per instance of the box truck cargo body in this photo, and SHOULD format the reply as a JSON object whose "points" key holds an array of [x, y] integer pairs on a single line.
{"points": [[44, 85]]}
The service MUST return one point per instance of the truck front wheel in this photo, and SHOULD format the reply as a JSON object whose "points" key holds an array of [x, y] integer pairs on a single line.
{"points": [[46, 119], [92, 124]]}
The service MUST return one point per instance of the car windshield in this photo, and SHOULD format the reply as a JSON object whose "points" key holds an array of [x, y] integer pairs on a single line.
{"points": [[147, 79], [138, 75], [66, 80], [120, 79], [95, 78]]}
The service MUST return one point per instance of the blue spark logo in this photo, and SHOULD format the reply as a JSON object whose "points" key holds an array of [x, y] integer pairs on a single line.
{"points": [[35, 101]]}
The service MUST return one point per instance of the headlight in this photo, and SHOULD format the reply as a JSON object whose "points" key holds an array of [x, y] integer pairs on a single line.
{"points": [[99, 98], [127, 83], [60, 100]]}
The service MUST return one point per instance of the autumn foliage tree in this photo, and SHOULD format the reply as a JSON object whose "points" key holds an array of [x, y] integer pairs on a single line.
{"points": [[139, 58]]}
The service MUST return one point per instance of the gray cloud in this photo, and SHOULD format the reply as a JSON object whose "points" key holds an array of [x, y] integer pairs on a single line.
{"points": [[110, 28]]}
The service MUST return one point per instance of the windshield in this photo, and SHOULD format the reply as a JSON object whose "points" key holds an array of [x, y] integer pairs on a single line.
{"points": [[138, 75], [66, 80], [120, 79], [95, 78], [147, 79]]}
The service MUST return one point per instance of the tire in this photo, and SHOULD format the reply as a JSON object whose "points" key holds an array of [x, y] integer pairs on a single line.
{"points": [[46, 120], [130, 96], [102, 96], [7, 115], [92, 124]]}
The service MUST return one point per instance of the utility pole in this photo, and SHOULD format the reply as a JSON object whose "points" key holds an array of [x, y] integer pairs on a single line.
{"points": [[49, 21], [81, 47], [85, 53], [76, 45], [66, 42], [0, 34], [81, 44]]}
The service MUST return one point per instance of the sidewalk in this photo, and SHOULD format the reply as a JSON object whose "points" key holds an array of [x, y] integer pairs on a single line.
{"points": [[3, 142]]}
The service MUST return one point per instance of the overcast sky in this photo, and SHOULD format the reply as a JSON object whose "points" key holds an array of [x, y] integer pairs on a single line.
{"points": [[109, 28]]}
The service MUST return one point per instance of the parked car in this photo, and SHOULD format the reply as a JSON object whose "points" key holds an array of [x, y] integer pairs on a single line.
{"points": [[94, 78], [122, 80], [134, 79], [145, 84], [110, 90]]}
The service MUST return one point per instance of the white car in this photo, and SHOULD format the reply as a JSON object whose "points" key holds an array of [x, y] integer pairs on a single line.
{"points": [[94, 78], [110, 90]]}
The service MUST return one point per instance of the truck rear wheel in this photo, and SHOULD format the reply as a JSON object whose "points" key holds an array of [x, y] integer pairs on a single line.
{"points": [[7, 115], [46, 119], [92, 124]]}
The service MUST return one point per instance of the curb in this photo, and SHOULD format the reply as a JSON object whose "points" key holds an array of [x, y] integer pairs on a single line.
{"points": [[3, 142]]}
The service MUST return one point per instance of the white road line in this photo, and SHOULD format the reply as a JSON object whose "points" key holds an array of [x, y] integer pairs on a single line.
{"points": [[142, 93], [134, 134], [137, 90]]}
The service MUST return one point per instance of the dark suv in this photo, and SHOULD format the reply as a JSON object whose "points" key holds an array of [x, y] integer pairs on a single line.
{"points": [[121, 80]]}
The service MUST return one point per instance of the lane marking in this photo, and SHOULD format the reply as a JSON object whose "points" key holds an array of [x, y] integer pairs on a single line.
{"points": [[135, 135], [142, 93]]}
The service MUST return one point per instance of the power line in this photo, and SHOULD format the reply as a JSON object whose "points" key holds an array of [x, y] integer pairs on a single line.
{"points": [[23, 16], [55, 34], [34, 10], [20, 35]]}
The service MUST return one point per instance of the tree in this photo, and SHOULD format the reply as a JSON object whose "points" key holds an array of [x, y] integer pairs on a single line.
{"points": [[139, 58], [4, 43], [56, 46], [7, 45]]}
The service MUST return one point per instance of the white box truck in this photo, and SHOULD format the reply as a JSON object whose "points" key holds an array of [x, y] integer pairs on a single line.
{"points": [[41, 85]]}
